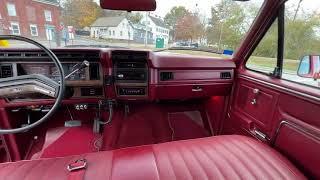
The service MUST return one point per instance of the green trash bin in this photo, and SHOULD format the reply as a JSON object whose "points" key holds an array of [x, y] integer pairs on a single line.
{"points": [[160, 43]]}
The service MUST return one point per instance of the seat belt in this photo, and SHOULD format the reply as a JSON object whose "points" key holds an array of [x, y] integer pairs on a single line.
{"points": [[77, 169]]}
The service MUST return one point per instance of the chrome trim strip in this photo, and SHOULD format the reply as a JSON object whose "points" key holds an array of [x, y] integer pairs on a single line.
{"points": [[293, 125], [283, 89]]}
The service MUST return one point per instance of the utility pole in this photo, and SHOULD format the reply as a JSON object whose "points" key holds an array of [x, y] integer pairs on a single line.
{"points": [[296, 13], [223, 15], [146, 34]]}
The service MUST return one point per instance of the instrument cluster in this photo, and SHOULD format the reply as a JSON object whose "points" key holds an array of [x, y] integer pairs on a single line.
{"points": [[51, 71]]}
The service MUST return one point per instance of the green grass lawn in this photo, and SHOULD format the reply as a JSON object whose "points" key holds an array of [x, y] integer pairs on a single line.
{"points": [[289, 64]]}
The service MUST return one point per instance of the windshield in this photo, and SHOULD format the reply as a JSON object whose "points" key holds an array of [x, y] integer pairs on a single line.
{"points": [[213, 26]]}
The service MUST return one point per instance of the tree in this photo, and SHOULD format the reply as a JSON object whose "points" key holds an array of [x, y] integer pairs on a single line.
{"points": [[80, 13], [134, 17], [189, 27], [227, 25], [174, 15], [301, 35]]}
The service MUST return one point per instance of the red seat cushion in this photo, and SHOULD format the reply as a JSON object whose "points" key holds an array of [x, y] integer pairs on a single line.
{"points": [[220, 157]]}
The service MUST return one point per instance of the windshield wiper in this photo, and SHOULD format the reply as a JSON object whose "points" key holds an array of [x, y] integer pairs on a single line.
{"points": [[93, 46], [190, 49]]}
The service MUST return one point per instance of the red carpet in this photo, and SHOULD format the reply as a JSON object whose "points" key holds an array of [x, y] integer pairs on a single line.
{"points": [[144, 125]]}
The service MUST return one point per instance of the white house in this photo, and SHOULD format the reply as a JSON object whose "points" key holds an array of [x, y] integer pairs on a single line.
{"points": [[158, 28], [118, 28]]}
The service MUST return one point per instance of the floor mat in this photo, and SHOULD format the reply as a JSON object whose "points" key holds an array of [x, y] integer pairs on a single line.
{"points": [[187, 125], [145, 125], [62, 141], [150, 126]]}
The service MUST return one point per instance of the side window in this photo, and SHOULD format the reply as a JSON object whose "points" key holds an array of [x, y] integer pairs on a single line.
{"points": [[264, 57], [301, 46], [302, 42]]}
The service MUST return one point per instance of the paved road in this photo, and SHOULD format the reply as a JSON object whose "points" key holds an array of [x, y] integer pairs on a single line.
{"points": [[78, 41]]}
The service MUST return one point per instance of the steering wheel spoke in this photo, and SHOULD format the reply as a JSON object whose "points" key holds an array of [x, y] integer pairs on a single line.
{"points": [[28, 84]]}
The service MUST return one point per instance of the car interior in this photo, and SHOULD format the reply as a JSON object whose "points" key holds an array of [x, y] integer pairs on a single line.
{"points": [[123, 113]]}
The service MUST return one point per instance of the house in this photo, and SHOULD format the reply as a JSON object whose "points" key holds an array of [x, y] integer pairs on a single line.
{"points": [[117, 28], [158, 28], [139, 34], [30, 18]]}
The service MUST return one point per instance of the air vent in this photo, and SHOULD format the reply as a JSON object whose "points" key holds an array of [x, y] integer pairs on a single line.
{"points": [[225, 75], [129, 55], [92, 56], [14, 54], [6, 71], [31, 54], [166, 76]]}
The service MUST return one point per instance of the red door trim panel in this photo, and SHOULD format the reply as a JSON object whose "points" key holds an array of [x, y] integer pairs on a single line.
{"points": [[295, 126], [309, 96]]}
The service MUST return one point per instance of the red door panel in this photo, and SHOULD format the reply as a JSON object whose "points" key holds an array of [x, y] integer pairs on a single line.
{"points": [[256, 103], [300, 144], [289, 117]]}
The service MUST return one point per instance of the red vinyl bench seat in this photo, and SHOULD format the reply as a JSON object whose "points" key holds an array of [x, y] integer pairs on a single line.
{"points": [[220, 157]]}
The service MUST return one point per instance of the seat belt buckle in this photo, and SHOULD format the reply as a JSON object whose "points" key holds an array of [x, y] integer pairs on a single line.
{"points": [[77, 165]]}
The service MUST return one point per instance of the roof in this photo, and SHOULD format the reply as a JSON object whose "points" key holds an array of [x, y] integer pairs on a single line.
{"points": [[107, 21], [140, 27], [51, 2], [158, 22]]}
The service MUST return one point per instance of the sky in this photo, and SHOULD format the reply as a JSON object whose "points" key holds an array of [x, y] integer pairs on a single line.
{"points": [[204, 6]]}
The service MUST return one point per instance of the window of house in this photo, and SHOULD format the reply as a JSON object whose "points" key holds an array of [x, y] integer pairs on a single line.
{"points": [[11, 9], [120, 33], [33, 30], [15, 28], [47, 15], [113, 32], [109, 32]]}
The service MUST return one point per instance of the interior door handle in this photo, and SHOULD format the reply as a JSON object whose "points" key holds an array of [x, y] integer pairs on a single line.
{"points": [[197, 89]]}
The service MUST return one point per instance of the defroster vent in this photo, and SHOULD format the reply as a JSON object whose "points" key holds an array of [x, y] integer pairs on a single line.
{"points": [[6, 71]]}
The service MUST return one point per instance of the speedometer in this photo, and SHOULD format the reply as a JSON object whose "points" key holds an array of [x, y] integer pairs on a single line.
{"points": [[51, 71], [36, 69]]}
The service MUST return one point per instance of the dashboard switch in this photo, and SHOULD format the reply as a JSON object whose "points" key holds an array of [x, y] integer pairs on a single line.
{"points": [[80, 107]]}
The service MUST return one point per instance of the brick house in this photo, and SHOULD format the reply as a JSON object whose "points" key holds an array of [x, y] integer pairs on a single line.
{"points": [[30, 18]]}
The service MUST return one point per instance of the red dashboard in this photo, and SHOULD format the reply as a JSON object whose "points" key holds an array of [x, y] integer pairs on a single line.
{"points": [[125, 74]]}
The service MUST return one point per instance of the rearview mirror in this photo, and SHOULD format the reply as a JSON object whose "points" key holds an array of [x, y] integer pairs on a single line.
{"points": [[309, 67], [129, 5]]}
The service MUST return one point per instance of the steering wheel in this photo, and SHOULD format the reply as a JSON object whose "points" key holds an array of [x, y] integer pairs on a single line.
{"points": [[35, 83]]}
